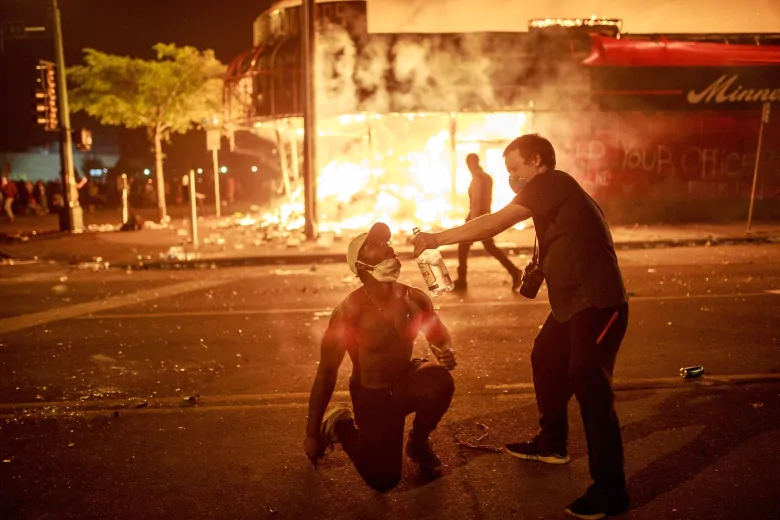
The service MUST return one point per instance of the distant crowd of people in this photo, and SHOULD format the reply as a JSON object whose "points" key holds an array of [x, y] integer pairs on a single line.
{"points": [[25, 197], [28, 198], [20, 197]]}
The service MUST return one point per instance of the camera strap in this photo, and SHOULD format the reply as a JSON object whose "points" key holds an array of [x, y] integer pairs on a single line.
{"points": [[535, 258]]}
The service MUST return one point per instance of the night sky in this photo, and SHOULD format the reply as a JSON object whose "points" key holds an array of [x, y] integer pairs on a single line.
{"points": [[125, 27]]}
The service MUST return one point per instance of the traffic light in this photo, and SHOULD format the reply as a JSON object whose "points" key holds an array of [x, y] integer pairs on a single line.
{"points": [[46, 97]]}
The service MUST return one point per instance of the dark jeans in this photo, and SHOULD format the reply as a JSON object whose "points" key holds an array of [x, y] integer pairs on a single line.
{"points": [[491, 247], [567, 360], [375, 445]]}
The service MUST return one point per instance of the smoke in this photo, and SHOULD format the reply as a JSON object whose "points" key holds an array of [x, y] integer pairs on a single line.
{"points": [[405, 73], [370, 72], [335, 70]]}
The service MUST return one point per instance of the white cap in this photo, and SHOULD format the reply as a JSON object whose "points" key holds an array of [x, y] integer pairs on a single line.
{"points": [[378, 232]]}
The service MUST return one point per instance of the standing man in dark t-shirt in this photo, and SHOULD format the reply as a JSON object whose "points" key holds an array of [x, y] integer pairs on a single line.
{"points": [[480, 202], [574, 352]]}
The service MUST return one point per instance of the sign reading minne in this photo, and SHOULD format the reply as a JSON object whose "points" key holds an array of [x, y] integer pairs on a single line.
{"points": [[721, 91]]}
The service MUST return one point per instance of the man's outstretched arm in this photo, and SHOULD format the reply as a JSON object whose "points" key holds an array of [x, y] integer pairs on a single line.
{"points": [[334, 344], [481, 228]]}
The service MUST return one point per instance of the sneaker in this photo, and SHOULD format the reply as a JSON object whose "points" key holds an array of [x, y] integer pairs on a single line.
{"points": [[530, 451], [335, 414], [591, 506], [460, 285], [422, 453]]}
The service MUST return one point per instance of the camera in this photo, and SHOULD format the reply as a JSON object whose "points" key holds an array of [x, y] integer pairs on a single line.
{"points": [[531, 281]]}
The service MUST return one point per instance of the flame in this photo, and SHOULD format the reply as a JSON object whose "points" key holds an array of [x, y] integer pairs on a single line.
{"points": [[400, 169]]}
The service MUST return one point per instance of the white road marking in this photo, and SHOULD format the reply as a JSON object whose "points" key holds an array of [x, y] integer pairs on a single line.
{"points": [[299, 399], [774, 291], [50, 276], [455, 305], [660, 382], [74, 311]]}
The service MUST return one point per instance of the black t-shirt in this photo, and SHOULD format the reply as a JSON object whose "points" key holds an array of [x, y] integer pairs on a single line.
{"points": [[575, 245]]}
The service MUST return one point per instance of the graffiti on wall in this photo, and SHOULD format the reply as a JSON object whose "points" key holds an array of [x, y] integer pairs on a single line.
{"points": [[623, 152]]}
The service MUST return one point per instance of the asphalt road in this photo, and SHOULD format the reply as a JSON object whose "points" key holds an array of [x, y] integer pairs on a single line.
{"points": [[75, 345]]}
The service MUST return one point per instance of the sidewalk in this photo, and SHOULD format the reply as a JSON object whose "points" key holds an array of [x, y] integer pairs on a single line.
{"points": [[241, 240]]}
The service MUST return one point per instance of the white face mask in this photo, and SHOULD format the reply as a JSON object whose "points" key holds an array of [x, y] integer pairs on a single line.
{"points": [[386, 271], [516, 183]]}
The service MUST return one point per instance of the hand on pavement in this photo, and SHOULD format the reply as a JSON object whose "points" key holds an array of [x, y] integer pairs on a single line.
{"points": [[423, 241], [312, 448]]}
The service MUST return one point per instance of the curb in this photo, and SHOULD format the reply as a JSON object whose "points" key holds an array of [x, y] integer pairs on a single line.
{"points": [[327, 258]]}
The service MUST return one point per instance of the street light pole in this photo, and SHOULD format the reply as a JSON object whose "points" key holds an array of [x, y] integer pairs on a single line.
{"points": [[764, 119], [75, 216], [217, 200], [308, 33]]}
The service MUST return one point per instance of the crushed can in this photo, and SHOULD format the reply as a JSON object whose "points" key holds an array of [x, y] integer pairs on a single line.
{"points": [[691, 372], [434, 272]]}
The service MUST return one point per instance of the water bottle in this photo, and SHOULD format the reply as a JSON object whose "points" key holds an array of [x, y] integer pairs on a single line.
{"points": [[434, 271]]}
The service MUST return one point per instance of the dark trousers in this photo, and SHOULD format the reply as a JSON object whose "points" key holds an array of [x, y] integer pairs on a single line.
{"points": [[567, 360], [491, 247], [375, 444]]}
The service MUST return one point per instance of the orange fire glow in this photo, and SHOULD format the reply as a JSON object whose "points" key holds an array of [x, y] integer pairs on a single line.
{"points": [[401, 169]]}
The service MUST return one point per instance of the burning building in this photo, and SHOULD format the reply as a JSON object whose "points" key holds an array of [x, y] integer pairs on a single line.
{"points": [[632, 115]]}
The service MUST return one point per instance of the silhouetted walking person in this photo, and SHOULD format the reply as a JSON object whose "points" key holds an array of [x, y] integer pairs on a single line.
{"points": [[480, 202]]}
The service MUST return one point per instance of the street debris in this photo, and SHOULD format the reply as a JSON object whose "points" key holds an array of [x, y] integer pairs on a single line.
{"points": [[97, 265], [691, 372], [103, 228], [178, 253], [475, 443], [191, 400], [757, 405]]}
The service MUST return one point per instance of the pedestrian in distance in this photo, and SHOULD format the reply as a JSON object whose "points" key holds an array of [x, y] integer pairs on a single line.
{"points": [[480, 202], [574, 352], [376, 325], [9, 196]]}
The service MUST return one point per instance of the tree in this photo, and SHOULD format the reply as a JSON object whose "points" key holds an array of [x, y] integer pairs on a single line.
{"points": [[179, 90]]}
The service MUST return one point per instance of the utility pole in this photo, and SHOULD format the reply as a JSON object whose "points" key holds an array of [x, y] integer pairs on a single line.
{"points": [[213, 144], [74, 216], [764, 119], [308, 35]]}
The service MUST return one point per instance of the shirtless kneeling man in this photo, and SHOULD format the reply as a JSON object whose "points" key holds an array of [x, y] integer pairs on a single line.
{"points": [[376, 325]]}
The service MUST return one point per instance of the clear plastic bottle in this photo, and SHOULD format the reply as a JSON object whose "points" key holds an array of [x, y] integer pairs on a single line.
{"points": [[433, 270]]}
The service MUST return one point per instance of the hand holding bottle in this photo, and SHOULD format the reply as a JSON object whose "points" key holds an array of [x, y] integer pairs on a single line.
{"points": [[445, 356], [424, 241]]}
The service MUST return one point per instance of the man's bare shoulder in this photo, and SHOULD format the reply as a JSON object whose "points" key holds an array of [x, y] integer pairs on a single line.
{"points": [[419, 296], [349, 306]]}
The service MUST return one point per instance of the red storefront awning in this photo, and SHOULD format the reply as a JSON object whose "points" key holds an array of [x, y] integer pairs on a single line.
{"points": [[660, 74], [660, 52]]}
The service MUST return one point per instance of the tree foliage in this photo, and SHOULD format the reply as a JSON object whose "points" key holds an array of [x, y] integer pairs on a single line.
{"points": [[179, 90]]}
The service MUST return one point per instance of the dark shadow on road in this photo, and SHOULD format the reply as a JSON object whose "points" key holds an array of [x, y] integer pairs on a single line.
{"points": [[729, 418]]}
